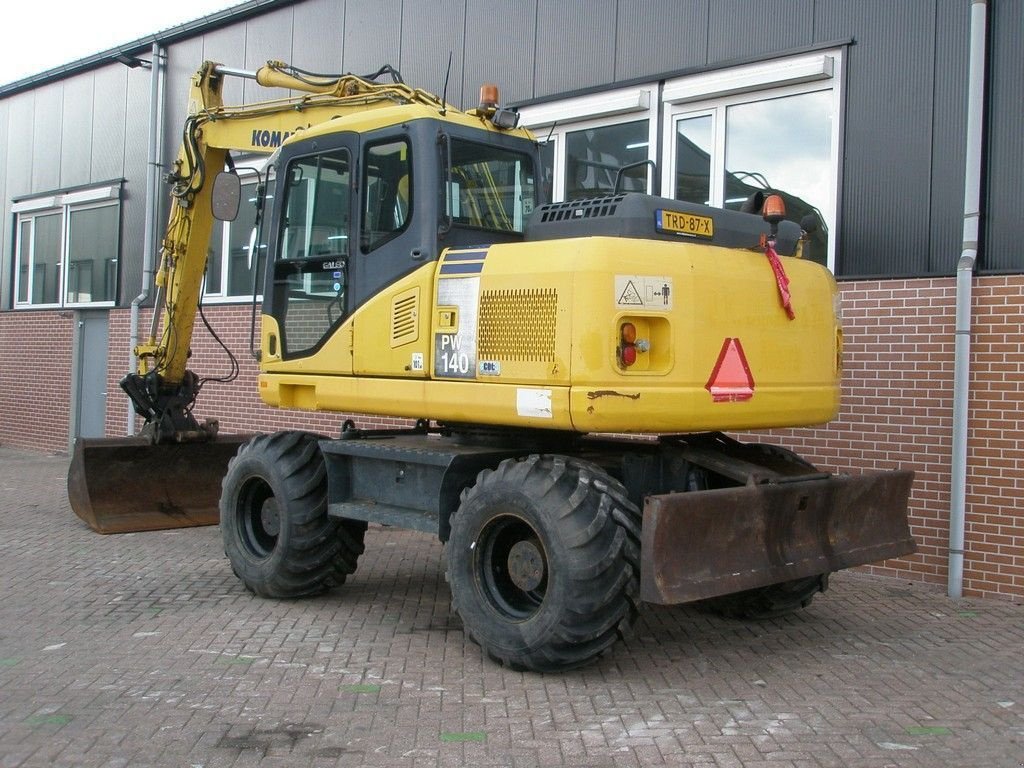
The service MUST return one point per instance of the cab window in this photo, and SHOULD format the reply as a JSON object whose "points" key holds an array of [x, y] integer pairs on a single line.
{"points": [[387, 193]]}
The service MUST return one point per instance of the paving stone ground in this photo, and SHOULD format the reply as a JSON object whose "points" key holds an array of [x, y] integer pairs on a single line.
{"points": [[144, 650]]}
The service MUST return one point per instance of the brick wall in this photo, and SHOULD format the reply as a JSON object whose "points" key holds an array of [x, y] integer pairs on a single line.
{"points": [[897, 400], [897, 412], [35, 379]]}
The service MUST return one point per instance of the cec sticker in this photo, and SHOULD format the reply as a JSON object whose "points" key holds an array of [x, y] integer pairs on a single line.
{"points": [[650, 292]]}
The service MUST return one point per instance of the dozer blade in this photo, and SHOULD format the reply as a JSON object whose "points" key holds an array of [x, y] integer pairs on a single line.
{"points": [[709, 543], [126, 484]]}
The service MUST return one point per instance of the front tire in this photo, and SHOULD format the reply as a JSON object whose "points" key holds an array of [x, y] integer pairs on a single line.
{"points": [[543, 562], [274, 522]]}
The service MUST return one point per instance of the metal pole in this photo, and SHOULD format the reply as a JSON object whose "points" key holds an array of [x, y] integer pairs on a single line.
{"points": [[156, 85], [964, 276]]}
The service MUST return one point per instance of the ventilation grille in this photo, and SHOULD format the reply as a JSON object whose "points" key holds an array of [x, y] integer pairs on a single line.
{"points": [[518, 324], [595, 207], [405, 313]]}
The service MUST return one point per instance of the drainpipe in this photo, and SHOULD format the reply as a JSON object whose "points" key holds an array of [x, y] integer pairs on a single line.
{"points": [[156, 119], [964, 275]]}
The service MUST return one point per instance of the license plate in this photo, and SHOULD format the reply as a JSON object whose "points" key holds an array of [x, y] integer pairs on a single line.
{"points": [[685, 224]]}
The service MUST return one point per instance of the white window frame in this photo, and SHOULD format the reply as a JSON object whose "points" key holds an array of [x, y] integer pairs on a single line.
{"points": [[63, 204], [251, 171], [551, 121], [714, 92]]}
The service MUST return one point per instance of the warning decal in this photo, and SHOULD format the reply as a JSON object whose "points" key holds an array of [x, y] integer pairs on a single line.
{"points": [[652, 292], [731, 380]]}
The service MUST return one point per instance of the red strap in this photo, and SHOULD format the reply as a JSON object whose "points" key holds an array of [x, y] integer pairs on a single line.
{"points": [[780, 280]]}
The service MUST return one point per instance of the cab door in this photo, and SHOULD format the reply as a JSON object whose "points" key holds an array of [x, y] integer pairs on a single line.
{"points": [[310, 292]]}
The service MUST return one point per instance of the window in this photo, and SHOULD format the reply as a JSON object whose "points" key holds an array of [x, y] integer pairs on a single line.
{"points": [[67, 249], [586, 140], [233, 277], [311, 273], [725, 134], [489, 188], [770, 126], [387, 193]]}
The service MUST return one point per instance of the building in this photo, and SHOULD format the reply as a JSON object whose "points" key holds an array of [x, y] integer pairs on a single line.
{"points": [[858, 111]]}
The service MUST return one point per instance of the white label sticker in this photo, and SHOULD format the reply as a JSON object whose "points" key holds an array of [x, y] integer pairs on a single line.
{"points": [[417, 361], [650, 292], [534, 403]]}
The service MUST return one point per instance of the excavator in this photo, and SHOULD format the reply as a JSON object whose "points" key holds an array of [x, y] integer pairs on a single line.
{"points": [[569, 371]]}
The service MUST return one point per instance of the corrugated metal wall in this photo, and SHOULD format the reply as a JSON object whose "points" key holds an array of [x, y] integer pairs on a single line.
{"points": [[904, 123]]}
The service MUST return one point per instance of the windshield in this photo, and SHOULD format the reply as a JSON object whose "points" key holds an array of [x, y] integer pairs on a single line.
{"points": [[490, 188]]}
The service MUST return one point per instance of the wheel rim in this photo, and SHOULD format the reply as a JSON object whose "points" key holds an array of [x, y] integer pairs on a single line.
{"points": [[257, 518], [512, 567]]}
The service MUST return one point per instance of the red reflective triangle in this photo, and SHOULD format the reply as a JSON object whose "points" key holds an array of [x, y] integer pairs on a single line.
{"points": [[730, 379]]}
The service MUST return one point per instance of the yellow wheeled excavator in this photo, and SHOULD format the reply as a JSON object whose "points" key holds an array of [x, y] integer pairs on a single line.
{"points": [[411, 267]]}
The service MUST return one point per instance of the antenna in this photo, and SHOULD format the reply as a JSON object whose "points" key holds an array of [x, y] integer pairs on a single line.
{"points": [[444, 93], [551, 132]]}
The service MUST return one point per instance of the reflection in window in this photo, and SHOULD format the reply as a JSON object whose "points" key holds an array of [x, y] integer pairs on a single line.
{"points": [[234, 278], [39, 257], [310, 275], [490, 188], [387, 192], [693, 160], [92, 254], [783, 145], [595, 155], [24, 258]]}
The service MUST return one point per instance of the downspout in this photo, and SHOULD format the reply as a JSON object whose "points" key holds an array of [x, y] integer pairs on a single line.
{"points": [[156, 119], [964, 275]]}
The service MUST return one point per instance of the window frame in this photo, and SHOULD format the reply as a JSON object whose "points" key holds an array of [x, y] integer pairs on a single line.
{"points": [[63, 204], [551, 121], [713, 93]]}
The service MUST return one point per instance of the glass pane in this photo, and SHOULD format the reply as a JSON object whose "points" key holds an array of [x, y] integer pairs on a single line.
{"points": [[387, 193], [310, 275], [595, 155], [24, 258], [92, 254], [242, 265], [784, 145], [316, 220], [490, 188], [693, 160], [215, 259], [46, 260], [547, 169]]}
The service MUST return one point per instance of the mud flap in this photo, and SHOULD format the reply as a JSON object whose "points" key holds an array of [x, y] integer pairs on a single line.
{"points": [[126, 484], [709, 543]]}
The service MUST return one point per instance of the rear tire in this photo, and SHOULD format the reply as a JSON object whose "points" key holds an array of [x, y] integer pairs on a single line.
{"points": [[543, 562], [769, 602], [274, 522]]}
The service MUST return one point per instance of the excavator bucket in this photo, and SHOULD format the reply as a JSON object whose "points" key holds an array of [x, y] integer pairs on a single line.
{"points": [[126, 484], [710, 543]]}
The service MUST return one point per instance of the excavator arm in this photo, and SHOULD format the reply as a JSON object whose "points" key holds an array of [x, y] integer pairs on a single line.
{"points": [[162, 389], [169, 475]]}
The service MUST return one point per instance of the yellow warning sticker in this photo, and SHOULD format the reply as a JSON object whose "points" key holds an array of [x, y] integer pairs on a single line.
{"points": [[648, 292]]}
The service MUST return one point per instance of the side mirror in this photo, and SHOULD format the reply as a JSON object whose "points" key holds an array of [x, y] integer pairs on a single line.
{"points": [[226, 195]]}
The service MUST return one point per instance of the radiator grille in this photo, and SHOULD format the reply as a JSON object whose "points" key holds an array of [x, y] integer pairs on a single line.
{"points": [[518, 324]]}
